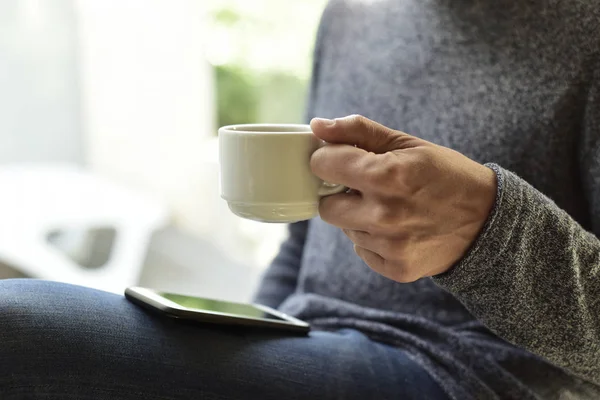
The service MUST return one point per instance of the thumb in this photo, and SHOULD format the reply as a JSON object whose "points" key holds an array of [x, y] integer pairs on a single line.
{"points": [[361, 132]]}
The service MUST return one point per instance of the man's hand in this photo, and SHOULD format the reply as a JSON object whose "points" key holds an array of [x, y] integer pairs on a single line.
{"points": [[414, 209]]}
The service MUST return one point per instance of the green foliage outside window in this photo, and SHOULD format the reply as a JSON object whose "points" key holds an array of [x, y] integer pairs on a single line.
{"points": [[243, 97], [237, 96], [262, 52]]}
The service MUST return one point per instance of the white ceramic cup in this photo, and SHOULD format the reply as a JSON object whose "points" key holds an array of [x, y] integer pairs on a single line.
{"points": [[265, 172]]}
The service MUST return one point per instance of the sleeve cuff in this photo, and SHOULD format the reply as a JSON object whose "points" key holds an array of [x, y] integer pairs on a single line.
{"points": [[489, 247]]}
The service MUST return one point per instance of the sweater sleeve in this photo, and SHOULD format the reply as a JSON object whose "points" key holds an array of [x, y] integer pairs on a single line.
{"points": [[533, 275]]}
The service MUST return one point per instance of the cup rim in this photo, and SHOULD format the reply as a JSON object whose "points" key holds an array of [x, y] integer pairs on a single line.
{"points": [[267, 128]]}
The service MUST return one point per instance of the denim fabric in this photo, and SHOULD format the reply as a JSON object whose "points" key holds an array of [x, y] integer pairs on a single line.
{"points": [[66, 342]]}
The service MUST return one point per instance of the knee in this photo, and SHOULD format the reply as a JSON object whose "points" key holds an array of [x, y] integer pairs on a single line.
{"points": [[22, 302], [48, 329], [26, 335], [38, 317], [32, 311]]}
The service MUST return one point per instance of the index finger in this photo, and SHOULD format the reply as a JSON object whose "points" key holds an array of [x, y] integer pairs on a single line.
{"points": [[342, 164]]}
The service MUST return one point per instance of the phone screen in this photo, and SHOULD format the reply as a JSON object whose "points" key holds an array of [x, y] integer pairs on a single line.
{"points": [[223, 307]]}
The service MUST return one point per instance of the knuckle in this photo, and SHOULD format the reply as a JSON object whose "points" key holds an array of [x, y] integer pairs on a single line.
{"points": [[383, 220], [428, 156], [363, 124], [423, 158], [360, 121], [395, 248], [333, 208], [390, 168], [353, 236], [389, 250], [368, 165], [422, 164], [381, 170], [326, 210], [318, 161], [403, 274]]}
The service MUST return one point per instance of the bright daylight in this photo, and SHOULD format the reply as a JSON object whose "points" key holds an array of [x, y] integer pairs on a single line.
{"points": [[299, 199]]}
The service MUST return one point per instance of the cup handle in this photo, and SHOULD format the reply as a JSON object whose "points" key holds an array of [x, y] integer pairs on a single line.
{"points": [[327, 189]]}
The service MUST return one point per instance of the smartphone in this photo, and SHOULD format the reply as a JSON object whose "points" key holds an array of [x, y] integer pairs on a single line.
{"points": [[212, 311]]}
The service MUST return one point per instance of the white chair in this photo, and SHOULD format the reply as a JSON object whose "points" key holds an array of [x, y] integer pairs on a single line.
{"points": [[36, 200]]}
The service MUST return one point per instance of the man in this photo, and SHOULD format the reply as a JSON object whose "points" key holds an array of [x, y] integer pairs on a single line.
{"points": [[463, 263]]}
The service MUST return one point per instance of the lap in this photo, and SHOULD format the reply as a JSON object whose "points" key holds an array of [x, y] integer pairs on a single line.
{"points": [[60, 341]]}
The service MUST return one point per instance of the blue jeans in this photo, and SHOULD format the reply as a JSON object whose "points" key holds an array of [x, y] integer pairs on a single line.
{"points": [[66, 342]]}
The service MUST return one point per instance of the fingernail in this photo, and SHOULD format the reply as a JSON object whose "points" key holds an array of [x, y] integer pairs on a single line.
{"points": [[325, 121]]}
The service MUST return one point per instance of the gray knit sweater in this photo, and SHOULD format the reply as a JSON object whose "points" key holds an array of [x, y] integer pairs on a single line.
{"points": [[512, 83]]}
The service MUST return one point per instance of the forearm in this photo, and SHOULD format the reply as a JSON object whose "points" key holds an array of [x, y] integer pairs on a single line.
{"points": [[533, 278]]}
